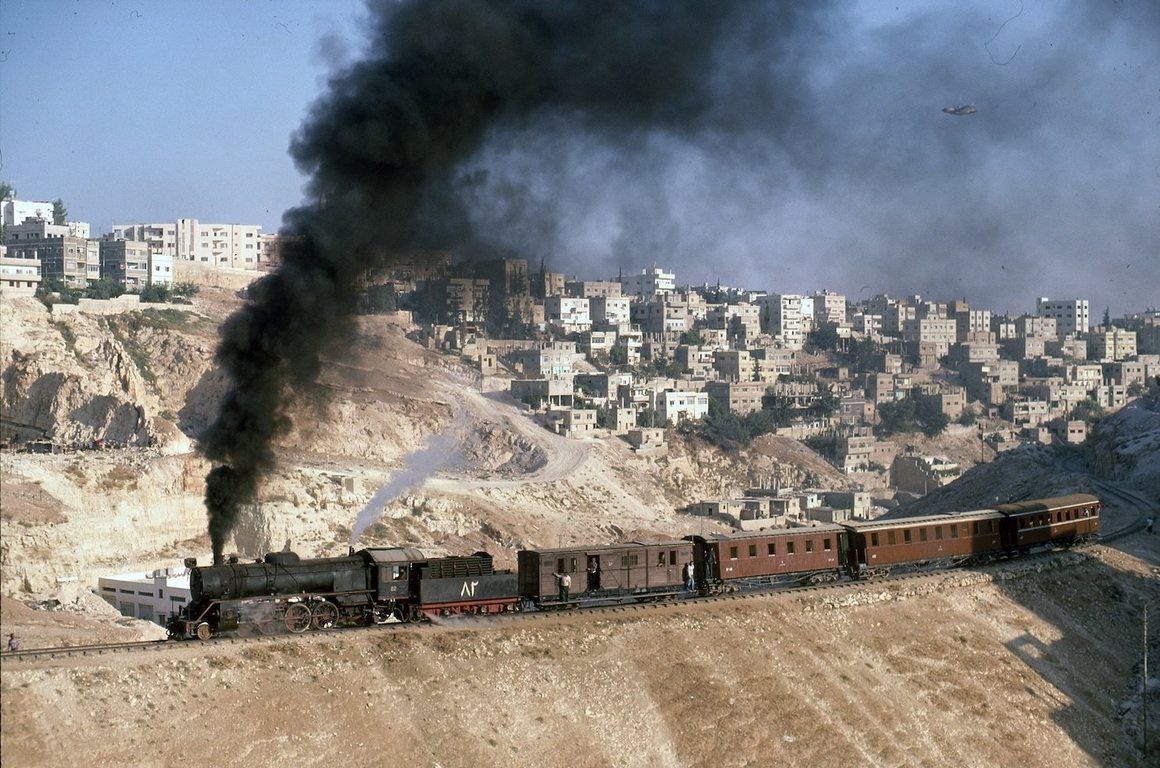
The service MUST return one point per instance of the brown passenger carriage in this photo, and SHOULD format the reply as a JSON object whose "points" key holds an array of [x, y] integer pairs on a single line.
{"points": [[637, 567], [934, 538], [770, 556], [1058, 520]]}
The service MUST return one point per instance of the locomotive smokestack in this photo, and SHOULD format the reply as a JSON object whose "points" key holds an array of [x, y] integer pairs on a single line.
{"points": [[386, 144]]}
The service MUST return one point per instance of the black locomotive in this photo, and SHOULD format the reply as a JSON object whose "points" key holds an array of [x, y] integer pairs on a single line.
{"points": [[371, 586]]}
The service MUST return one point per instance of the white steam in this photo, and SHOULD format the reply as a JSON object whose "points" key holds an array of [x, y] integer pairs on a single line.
{"points": [[440, 451]]}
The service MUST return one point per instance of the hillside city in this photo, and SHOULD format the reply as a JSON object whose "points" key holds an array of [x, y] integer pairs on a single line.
{"points": [[637, 354]]}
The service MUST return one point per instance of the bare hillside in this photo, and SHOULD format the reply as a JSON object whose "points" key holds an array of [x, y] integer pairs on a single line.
{"points": [[1030, 665]]}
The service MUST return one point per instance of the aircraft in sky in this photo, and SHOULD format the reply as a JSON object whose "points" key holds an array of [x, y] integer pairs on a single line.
{"points": [[969, 109]]}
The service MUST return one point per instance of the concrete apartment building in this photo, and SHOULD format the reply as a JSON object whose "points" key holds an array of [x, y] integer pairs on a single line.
{"points": [[1034, 325], [650, 282], [233, 246], [949, 400], [13, 211], [1147, 328], [829, 307], [570, 315], [591, 289], [674, 406], [737, 397], [970, 322], [62, 255], [929, 337], [610, 310], [919, 475], [1111, 344], [19, 276], [1071, 315], [549, 360], [733, 364], [661, 314], [126, 262], [782, 316], [694, 360], [465, 299]]}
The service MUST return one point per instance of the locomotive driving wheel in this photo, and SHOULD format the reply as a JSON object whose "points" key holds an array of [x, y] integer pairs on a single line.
{"points": [[325, 614], [204, 631], [297, 618]]}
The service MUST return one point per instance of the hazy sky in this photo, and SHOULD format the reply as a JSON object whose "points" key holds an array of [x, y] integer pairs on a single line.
{"points": [[824, 159]]}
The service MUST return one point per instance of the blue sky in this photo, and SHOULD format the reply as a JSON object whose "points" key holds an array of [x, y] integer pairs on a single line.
{"points": [[146, 111]]}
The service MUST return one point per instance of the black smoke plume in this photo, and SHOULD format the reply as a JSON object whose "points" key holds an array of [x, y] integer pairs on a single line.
{"points": [[385, 147]]}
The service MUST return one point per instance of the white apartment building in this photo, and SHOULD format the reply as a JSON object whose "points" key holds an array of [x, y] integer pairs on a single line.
{"points": [[19, 276], [16, 211], [1071, 315], [571, 315], [610, 310], [235, 246], [674, 406], [650, 282], [152, 596], [783, 317]]}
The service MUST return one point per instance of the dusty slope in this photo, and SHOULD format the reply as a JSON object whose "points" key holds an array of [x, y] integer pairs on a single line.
{"points": [[1017, 666]]}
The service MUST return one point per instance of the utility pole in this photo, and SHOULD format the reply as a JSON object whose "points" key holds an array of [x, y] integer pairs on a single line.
{"points": [[1145, 707]]}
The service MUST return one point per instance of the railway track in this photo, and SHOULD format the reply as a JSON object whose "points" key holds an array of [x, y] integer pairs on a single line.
{"points": [[1133, 499], [111, 649]]}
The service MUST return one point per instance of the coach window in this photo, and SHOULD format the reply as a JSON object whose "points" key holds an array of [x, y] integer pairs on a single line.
{"points": [[809, 546], [672, 557], [559, 565], [975, 528], [825, 545], [906, 536], [874, 539], [922, 534], [954, 530], [660, 559], [938, 532], [789, 547], [753, 550], [772, 548], [890, 538], [572, 565], [732, 553]]}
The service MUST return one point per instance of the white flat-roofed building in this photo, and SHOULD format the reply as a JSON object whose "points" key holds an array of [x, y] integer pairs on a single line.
{"points": [[19, 276], [152, 596], [650, 282], [1071, 315], [572, 315], [16, 211], [610, 310], [234, 246], [675, 406]]}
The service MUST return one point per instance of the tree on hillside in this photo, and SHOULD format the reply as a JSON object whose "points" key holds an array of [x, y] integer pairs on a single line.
{"points": [[1107, 317], [59, 212], [6, 191], [824, 337]]}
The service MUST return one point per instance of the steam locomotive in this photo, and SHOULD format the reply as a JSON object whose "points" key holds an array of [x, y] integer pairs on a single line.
{"points": [[374, 586]]}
